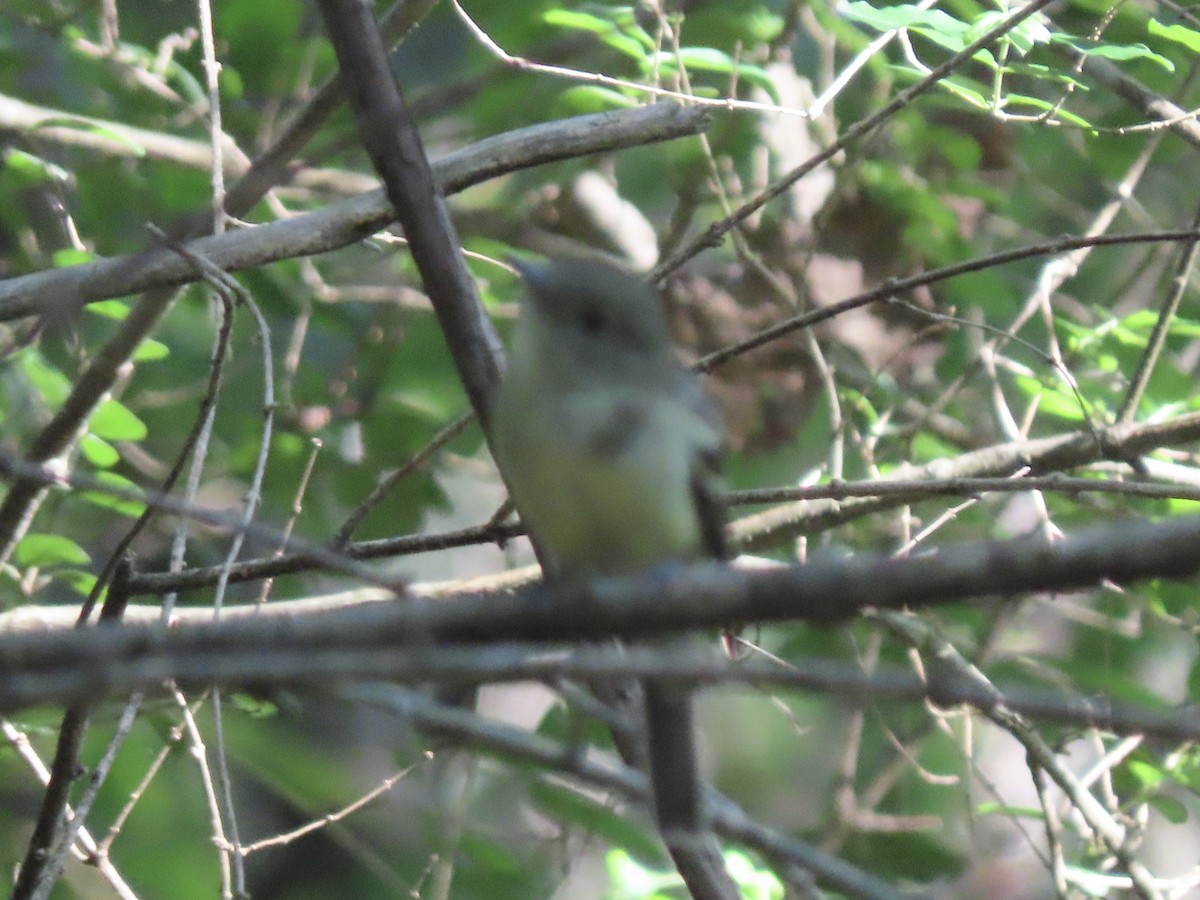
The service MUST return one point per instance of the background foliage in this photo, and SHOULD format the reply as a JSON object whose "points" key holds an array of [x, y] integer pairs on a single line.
{"points": [[1064, 127]]}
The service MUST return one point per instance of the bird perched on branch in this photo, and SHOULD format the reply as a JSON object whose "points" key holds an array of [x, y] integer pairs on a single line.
{"points": [[608, 444]]}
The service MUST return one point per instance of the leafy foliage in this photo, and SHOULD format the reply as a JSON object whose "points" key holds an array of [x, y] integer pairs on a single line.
{"points": [[1075, 122]]}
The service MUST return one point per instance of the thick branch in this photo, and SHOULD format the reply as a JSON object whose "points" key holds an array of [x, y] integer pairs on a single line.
{"points": [[348, 220], [88, 662]]}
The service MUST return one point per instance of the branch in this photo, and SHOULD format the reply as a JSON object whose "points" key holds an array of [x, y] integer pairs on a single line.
{"points": [[895, 286], [1153, 106], [390, 137], [727, 818], [84, 663], [350, 220], [280, 665], [55, 831], [847, 501], [1051, 454], [271, 168]]}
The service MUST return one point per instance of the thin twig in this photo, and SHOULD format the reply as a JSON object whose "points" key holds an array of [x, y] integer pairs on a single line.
{"points": [[1162, 326], [387, 482], [895, 286], [54, 832], [88, 849]]}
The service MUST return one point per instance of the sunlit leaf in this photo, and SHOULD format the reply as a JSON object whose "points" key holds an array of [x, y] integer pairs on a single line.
{"points": [[150, 350], [71, 256], [255, 707], [1116, 52], [592, 98], [1180, 34], [99, 452], [1051, 400], [896, 17], [603, 28], [113, 421], [116, 310], [32, 170], [50, 550]]}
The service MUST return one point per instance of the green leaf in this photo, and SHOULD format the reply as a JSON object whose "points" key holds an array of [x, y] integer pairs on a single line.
{"points": [[1052, 400], [631, 879], [1060, 114], [1029, 32], [79, 580], [1183, 328], [1116, 52], [760, 24], [709, 59], [1134, 329], [32, 170], [116, 310], [1045, 73], [150, 350], [1177, 33], [71, 256], [50, 550], [254, 707], [565, 805], [927, 446], [1170, 808], [88, 127], [966, 89], [1193, 680], [933, 21], [51, 384], [1187, 769], [113, 421], [231, 84], [99, 452], [991, 807], [985, 23], [120, 504], [1023, 38], [591, 98], [606, 30], [138, 57], [1148, 776], [755, 881]]}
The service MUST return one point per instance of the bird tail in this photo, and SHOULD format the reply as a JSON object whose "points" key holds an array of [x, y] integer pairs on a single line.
{"points": [[672, 750]]}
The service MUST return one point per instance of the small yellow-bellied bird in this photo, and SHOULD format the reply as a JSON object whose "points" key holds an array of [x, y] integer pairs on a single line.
{"points": [[608, 444]]}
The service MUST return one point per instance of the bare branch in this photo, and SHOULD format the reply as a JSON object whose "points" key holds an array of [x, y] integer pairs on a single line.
{"points": [[348, 220], [697, 596]]}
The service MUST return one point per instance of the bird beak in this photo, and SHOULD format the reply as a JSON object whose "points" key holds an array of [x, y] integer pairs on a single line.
{"points": [[532, 274]]}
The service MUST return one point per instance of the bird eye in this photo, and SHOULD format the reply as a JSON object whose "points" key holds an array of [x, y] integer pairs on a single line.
{"points": [[592, 320]]}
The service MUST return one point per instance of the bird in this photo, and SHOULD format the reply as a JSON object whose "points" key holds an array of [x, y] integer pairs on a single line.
{"points": [[610, 448]]}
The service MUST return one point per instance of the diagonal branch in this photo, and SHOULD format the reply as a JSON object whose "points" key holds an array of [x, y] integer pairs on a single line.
{"points": [[350, 220], [387, 131]]}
